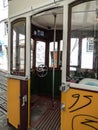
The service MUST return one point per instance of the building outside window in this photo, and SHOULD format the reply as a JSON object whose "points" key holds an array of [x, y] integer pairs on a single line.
{"points": [[6, 28], [5, 3], [3, 35]]}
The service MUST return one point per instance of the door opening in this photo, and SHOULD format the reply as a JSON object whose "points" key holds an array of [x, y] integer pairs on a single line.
{"points": [[46, 59]]}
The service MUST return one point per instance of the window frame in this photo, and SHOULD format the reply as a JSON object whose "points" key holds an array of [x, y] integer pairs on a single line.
{"points": [[37, 38], [13, 72], [71, 5]]}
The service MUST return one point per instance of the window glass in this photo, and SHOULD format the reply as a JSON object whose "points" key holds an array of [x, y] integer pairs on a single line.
{"points": [[18, 48], [3, 48], [87, 53], [74, 52], [3, 56], [61, 45], [6, 28], [83, 42], [40, 53], [53, 54], [32, 49], [60, 52], [22, 56], [5, 3]]}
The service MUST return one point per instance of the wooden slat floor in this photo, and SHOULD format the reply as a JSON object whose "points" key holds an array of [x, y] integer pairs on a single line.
{"points": [[45, 115]]}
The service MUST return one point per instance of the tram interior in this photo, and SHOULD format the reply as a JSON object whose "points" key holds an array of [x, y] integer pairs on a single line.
{"points": [[46, 59], [46, 69]]}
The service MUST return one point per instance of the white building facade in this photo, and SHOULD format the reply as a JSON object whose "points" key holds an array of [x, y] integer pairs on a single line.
{"points": [[3, 35]]}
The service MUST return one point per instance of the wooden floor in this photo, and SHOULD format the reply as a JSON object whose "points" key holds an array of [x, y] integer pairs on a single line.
{"points": [[45, 115]]}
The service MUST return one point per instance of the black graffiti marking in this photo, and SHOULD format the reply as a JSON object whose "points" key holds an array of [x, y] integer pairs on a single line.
{"points": [[77, 96], [87, 121]]}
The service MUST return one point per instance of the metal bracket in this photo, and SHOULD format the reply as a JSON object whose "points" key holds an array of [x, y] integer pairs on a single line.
{"points": [[62, 107], [64, 87], [24, 98]]}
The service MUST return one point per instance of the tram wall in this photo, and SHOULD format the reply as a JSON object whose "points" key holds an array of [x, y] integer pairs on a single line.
{"points": [[25, 6], [3, 91]]}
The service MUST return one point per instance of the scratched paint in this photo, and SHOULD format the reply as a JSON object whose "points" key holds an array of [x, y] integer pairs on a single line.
{"points": [[81, 111]]}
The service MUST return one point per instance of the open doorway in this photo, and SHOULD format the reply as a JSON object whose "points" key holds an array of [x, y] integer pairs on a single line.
{"points": [[46, 62]]}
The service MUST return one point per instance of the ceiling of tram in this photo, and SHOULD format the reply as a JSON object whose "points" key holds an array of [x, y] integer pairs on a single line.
{"points": [[46, 19], [84, 17]]}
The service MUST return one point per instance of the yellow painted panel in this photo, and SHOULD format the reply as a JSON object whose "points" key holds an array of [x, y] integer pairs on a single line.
{"points": [[81, 110], [13, 102]]}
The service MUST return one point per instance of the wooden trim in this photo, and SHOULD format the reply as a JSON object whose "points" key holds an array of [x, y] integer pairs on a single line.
{"points": [[23, 109], [80, 52], [68, 40], [77, 2]]}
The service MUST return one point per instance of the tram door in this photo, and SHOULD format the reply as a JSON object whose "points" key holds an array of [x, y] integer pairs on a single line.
{"points": [[80, 90], [18, 83], [18, 103]]}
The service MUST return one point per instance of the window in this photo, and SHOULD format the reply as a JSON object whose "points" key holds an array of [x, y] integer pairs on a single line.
{"points": [[18, 47], [40, 53], [53, 54], [87, 53], [74, 53], [90, 44], [3, 49], [3, 56], [6, 28], [61, 53], [82, 61], [32, 49]]}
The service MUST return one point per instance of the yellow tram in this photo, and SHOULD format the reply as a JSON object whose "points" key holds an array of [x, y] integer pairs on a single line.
{"points": [[52, 65]]}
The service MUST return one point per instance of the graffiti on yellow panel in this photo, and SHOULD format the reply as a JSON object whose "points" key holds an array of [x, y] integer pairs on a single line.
{"points": [[81, 112], [77, 98], [84, 120]]}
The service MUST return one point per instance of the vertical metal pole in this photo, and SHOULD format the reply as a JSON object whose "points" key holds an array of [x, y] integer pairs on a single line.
{"points": [[54, 60]]}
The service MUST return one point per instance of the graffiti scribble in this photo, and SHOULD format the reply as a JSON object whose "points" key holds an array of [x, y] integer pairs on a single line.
{"points": [[82, 120], [78, 97], [89, 122]]}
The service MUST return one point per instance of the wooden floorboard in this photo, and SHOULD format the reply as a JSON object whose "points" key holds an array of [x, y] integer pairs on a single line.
{"points": [[49, 115]]}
